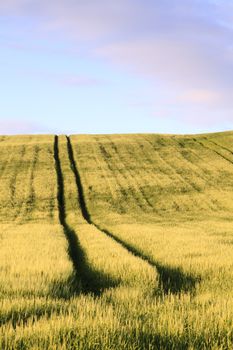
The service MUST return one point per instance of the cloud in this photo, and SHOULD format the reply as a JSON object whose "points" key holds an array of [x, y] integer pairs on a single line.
{"points": [[66, 79], [184, 46], [76, 80], [11, 126], [196, 96]]}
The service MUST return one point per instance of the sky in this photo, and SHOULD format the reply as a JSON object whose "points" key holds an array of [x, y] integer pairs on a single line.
{"points": [[126, 66]]}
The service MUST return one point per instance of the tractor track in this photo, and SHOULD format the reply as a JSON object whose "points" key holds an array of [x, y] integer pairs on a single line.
{"points": [[213, 150], [74, 250], [83, 272]]}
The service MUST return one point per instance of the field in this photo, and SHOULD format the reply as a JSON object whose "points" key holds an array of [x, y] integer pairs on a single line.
{"points": [[116, 242]]}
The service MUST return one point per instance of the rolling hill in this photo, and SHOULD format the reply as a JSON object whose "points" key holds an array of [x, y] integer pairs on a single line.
{"points": [[116, 241]]}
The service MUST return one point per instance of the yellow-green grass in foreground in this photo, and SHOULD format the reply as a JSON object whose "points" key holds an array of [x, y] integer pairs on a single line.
{"points": [[34, 275]]}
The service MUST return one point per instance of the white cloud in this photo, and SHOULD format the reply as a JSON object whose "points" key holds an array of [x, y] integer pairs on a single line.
{"points": [[184, 45], [200, 96], [11, 126]]}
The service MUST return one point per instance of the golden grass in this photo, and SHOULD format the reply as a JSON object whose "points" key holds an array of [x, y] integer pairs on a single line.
{"points": [[149, 268]]}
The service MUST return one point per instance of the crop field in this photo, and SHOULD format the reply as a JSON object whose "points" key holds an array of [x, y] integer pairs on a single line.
{"points": [[116, 242]]}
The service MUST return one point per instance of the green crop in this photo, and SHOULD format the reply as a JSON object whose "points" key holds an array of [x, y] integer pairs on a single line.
{"points": [[116, 242]]}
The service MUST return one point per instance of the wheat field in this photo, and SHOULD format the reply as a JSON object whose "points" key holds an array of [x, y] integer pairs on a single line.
{"points": [[116, 242]]}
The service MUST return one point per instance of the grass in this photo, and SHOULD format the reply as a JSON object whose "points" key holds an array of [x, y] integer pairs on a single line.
{"points": [[116, 242]]}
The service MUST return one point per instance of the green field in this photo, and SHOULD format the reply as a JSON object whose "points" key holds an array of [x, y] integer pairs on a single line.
{"points": [[116, 242]]}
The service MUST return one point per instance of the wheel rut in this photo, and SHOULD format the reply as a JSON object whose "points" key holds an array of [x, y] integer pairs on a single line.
{"points": [[213, 150], [92, 281]]}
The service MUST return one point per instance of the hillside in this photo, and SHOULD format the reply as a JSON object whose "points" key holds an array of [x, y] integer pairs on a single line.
{"points": [[171, 177], [125, 175], [116, 241]]}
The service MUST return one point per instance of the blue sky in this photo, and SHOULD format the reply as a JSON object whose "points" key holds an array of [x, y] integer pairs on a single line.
{"points": [[100, 66]]}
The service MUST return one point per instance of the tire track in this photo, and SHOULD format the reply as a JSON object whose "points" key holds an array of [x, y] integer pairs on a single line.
{"points": [[177, 174], [206, 179], [171, 279], [92, 281], [13, 187], [133, 179], [213, 150], [6, 163], [124, 192], [30, 202], [220, 146]]}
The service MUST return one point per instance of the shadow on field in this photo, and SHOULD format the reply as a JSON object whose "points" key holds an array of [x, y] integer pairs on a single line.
{"points": [[161, 341], [92, 280], [174, 280], [33, 313], [171, 279], [66, 288]]}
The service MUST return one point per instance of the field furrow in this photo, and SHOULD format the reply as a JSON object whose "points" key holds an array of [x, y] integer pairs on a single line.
{"points": [[127, 187], [24, 194], [212, 147], [121, 166]]}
